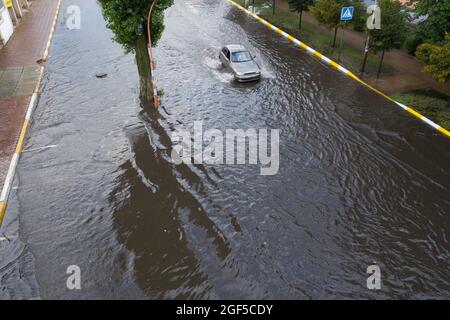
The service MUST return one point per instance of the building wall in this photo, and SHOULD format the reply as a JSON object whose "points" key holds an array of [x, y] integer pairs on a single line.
{"points": [[6, 25]]}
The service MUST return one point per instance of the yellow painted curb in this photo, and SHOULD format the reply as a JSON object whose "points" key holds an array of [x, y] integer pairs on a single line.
{"points": [[341, 68], [2, 211]]}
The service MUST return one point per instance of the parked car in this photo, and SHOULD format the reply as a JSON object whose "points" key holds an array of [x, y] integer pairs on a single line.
{"points": [[240, 62]]}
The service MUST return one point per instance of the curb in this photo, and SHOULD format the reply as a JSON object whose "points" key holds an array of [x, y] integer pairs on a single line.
{"points": [[341, 69], [20, 143]]}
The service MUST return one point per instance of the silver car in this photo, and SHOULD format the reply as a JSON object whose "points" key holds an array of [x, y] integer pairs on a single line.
{"points": [[241, 63]]}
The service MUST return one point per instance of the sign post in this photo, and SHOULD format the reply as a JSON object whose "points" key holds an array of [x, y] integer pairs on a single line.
{"points": [[346, 15]]}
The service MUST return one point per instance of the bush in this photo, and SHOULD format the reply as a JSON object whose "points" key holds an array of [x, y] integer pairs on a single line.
{"points": [[436, 58], [412, 41]]}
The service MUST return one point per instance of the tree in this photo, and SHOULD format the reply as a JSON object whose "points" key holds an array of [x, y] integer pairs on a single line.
{"points": [[393, 28], [128, 20], [328, 13], [433, 28], [436, 59], [299, 6]]}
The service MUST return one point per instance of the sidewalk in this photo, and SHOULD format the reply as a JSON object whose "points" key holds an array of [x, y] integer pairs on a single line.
{"points": [[409, 75], [19, 74]]}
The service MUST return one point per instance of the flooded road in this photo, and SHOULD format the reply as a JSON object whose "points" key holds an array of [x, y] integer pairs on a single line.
{"points": [[360, 181]]}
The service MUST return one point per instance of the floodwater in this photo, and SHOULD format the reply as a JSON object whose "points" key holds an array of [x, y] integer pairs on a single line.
{"points": [[360, 182]]}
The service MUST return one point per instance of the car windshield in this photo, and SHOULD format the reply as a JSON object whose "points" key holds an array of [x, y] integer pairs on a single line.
{"points": [[241, 56]]}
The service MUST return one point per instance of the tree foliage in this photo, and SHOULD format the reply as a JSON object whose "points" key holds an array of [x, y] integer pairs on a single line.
{"points": [[393, 27], [359, 15], [128, 21], [436, 58], [124, 17], [437, 21], [328, 12], [299, 5]]}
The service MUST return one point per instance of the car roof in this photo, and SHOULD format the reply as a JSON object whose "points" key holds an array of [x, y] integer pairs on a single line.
{"points": [[235, 47]]}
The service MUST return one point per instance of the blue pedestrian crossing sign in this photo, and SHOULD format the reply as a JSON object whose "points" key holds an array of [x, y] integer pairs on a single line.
{"points": [[347, 13]]}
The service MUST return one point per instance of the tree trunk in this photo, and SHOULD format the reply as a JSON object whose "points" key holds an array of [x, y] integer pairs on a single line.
{"points": [[300, 20], [335, 36], [145, 73], [381, 63], [273, 7], [363, 66], [366, 54]]}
